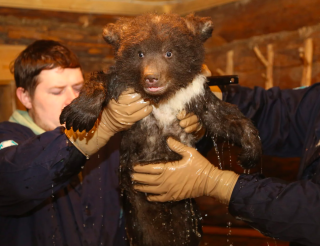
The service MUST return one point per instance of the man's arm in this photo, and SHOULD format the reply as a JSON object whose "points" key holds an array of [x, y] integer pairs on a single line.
{"points": [[35, 168], [287, 211], [281, 116]]}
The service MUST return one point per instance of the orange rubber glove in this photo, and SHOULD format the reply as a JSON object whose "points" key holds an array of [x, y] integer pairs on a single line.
{"points": [[115, 117], [191, 177]]}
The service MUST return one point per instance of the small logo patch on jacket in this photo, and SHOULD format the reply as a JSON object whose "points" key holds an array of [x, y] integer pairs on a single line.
{"points": [[7, 143]]}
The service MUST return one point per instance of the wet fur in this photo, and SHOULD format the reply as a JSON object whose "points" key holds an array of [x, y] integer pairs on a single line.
{"points": [[176, 223]]}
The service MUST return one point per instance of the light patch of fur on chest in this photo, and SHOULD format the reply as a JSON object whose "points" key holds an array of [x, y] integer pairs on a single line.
{"points": [[167, 112]]}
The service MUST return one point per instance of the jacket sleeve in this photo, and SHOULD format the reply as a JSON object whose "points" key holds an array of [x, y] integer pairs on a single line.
{"points": [[281, 116], [285, 211], [35, 168]]}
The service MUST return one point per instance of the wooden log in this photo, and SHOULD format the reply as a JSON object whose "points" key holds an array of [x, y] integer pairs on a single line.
{"points": [[268, 63], [306, 56], [79, 32], [229, 65], [287, 67], [245, 19]]}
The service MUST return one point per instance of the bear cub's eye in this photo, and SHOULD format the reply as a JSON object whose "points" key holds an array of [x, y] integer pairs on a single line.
{"points": [[169, 54], [140, 54]]}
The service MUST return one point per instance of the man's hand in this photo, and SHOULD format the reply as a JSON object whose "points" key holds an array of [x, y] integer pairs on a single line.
{"points": [[121, 115], [191, 124], [192, 176], [115, 117]]}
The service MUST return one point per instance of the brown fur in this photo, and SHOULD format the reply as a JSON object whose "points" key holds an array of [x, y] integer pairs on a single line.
{"points": [[142, 61]]}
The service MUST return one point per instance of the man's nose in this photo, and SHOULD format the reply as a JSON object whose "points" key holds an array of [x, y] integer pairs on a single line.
{"points": [[70, 95]]}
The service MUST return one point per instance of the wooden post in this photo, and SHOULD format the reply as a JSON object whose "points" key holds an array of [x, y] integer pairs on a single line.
{"points": [[268, 63], [306, 54], [229, 65]]}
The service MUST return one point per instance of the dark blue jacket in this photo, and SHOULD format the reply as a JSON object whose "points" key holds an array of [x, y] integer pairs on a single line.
{"points": [[289, 126], [42, 199]]}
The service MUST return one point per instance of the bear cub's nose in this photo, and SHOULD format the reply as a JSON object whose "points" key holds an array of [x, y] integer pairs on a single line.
{"points": [[151, 78]]}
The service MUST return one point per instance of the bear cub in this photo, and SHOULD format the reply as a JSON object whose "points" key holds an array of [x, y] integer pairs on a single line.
{"points": [[160, 57]]}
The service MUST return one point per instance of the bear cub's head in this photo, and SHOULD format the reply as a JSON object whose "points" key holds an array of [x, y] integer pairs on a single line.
{"points": [[157, 54]]}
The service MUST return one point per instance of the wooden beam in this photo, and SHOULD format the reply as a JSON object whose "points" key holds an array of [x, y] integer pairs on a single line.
{"points": [[8, 53], [129, 7], [268, 63], [245, 232], [229, 65], [245, 19], [306, 53], [287, 68]]}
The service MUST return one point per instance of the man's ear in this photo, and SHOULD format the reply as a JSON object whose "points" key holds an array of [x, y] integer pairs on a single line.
{"points": [[24, 97]]}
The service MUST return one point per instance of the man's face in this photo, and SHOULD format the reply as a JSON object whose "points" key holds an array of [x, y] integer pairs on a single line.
{"points": [[56, 89]]}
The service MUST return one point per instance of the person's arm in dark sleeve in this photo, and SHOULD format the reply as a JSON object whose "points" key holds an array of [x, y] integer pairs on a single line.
{"points": [[36, 168], [286, 211], [281, 116]]}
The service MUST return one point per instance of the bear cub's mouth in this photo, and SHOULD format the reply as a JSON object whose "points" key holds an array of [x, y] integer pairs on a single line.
{"points": [[155, 90]]}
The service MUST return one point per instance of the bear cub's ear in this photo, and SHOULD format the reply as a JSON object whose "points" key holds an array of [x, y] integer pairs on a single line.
{"points": [[200, 26], [113, 32], [110, 34]]}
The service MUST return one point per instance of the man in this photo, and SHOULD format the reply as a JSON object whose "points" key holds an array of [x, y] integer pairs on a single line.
{"points": [[289, 125], [49, 193]]}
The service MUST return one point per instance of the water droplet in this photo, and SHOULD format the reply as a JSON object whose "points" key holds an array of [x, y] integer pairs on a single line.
{"points": [[217, 151]]}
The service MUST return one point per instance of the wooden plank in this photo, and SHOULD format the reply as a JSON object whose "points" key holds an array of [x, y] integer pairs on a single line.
{"points": [[7, 99], [245, 19], [8, 53], [244, 232], [211, 239], [84, 20], [132, 7], [23, 27], [287, 67]]}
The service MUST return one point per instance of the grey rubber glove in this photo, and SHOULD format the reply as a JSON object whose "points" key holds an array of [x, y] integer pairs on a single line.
{"points": [[116, 117], [191, 177]]}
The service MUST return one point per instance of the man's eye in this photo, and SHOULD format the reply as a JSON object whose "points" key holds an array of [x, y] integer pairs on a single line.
{"points": [[169, 54], [140, 54], [77, 88], [56, 92]]}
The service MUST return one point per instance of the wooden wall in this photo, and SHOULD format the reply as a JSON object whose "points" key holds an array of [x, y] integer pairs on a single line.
{"points": [[239, 26], [80, 32], [285, 24]]}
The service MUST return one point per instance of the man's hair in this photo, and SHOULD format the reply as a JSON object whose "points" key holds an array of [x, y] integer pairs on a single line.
{"points": [[38, 56]]}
